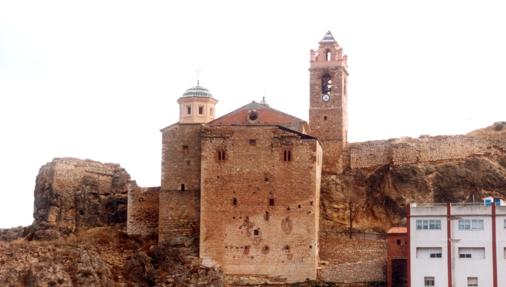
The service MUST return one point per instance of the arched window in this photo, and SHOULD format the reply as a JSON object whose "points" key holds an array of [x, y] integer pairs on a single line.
{"points": [[326, 84], [328, 55]]}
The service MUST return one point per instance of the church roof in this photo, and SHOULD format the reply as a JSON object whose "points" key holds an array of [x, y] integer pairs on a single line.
{"points": [[197, 91], [260, 114], [328, 38]]}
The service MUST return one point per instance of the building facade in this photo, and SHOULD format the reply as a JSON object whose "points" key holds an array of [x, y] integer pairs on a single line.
{"points": [[457, 245]]}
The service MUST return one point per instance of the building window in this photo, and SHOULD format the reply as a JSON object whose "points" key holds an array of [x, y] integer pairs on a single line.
{"points": [[472, 252], [271, 201], [234, 201], [221, 155], [472, 281], [185, 149], [287, 155], [429, 252], [471, 224], [328, 55], [428, 281], [256, 232], [211, 112], [324, 118], [253, 142], [201, 110], [189, 110], [428, 224], [182, 187]]}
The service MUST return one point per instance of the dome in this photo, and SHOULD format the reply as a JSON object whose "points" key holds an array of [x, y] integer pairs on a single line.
{"points": [[197, 91]]}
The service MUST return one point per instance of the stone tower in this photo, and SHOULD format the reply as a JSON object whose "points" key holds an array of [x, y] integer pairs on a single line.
{"points": [[180, 188], [196, 106], [328, 120]]}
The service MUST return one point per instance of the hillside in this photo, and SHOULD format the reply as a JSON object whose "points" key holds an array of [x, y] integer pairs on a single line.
{"points": [[379, 194]]}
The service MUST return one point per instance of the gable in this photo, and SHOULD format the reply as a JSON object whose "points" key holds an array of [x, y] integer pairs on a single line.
{"points": [[261, 114]]}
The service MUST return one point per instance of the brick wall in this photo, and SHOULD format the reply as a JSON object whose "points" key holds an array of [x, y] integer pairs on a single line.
{"points": [[180, 189], [259, 213], [351, 260], [143, 206]]}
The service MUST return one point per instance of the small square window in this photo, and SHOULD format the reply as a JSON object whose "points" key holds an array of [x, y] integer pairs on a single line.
{"points": [[429, 281], [253, 142], [472, 281]]}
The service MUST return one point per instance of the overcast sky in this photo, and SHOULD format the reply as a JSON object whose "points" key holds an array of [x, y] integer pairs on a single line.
{"points": [[99, 79]]}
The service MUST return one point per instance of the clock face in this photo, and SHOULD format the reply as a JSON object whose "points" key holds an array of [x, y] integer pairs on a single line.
{"points": [[325, 98]]}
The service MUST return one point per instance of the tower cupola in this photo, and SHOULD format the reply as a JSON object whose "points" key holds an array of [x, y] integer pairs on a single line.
{"points": [[196, 106]]}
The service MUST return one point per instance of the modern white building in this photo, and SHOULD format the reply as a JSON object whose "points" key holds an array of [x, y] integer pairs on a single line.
{"points": [[456, 245]]}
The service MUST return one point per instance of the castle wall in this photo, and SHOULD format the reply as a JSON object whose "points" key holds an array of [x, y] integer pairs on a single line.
{"points": [[180, 189], [351, 260], [143, 206], [259, 213], [409, 151]]}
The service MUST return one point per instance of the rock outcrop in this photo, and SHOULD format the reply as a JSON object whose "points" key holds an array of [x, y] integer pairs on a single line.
{"points": [[378, 195], [72, 194]]}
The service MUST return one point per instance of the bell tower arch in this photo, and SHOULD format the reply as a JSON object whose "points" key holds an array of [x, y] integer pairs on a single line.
{"points": [[328, 120]]}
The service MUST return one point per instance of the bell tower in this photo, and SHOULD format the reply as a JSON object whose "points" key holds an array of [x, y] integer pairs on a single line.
{"points": [[328, 119]]}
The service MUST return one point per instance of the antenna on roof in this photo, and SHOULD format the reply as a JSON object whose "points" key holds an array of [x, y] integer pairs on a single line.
{"points": [[198, 71]]}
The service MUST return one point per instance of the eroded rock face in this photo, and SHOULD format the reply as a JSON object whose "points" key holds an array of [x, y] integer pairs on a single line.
{"points": [[378, 195], [73, 194]]}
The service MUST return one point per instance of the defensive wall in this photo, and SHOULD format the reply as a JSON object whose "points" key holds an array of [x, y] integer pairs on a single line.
{"points": [[346, 260], [410, 151], [143, 205]]}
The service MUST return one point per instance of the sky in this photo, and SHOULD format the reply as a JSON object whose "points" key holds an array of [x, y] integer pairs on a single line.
{"points": [[99, 79]]}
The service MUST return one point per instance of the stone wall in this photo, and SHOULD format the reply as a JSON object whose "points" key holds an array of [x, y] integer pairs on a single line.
{"points": [[347, 260], [259, 212], [143, 204], [179, 209], [73, 194], [409, 151]]}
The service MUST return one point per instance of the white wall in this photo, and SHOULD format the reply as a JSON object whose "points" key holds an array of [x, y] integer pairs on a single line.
{"points": [[501, 245], [422, 267]]}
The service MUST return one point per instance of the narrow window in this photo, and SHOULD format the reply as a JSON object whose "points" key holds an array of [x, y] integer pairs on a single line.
{"points": [[234, 201], [211, 112], [428, 281], [189, 110], [267, 215], [201, 110], [398, 242], [271, 201], [326, 84], [472, 281], [253, 142], [221, 155], [182, 187], [287, 155], [328, 55], [324, 118], [186, 149]]}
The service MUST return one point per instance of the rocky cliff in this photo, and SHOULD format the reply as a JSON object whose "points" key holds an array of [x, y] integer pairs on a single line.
{"points": [[377, 195]]}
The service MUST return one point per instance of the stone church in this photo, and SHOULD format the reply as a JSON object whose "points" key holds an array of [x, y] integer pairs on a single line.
{"points": [[247, 184]]}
